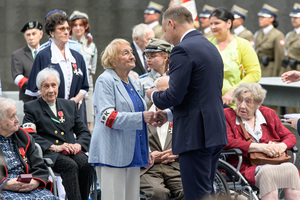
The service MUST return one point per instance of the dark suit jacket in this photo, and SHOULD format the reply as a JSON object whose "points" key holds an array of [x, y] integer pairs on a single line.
{"points": [[48, 129], [139, 67], [21, 63], [155, 145], [195, 92]]}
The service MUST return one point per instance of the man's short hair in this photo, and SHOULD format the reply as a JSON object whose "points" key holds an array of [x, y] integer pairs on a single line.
{"points": [[140, 30], [179, 14]]}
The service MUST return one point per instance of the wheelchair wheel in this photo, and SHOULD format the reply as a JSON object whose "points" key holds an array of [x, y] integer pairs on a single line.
{"points": [[221, 188]]}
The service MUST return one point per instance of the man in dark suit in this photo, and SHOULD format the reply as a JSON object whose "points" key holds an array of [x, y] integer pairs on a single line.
{"points": [[141, 34], [22, 59], [196, 79], [53, 122], [162, 180]]}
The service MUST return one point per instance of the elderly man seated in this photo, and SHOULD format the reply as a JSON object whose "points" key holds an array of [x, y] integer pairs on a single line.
{"points": [[163, 179], [268, 136], [53, 122]]}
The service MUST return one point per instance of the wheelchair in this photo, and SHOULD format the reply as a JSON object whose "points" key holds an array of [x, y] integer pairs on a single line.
{"points": [[230, 182], [53, 177]]}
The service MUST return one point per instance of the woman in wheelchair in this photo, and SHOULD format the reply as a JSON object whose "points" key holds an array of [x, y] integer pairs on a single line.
{"points": [[269, 136], [19, 158]]}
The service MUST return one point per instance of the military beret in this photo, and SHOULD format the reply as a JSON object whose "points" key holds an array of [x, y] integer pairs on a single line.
{"points": [[78, 15], [157, 45], [32, 25]]}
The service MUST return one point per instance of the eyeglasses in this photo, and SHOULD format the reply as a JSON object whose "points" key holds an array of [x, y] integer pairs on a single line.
{"points": [[63, 29]]}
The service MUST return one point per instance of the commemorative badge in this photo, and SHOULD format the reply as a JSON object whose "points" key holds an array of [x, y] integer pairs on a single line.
{"points": [[75, 69], [61, 115]]}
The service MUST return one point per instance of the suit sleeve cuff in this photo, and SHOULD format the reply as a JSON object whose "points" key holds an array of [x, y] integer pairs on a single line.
{"points": [[298, 126]]}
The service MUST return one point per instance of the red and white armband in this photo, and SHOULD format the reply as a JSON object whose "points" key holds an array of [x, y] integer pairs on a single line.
{"points": [[108, 117], [29, 127]]}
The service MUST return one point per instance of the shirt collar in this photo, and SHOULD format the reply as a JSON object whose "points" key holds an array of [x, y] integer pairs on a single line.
{"points": [[238, 30], [153, 24], [57, 57], [155, 74], [267, 29], [186, 33], [297, 30], [32, 49], [259, 118]]}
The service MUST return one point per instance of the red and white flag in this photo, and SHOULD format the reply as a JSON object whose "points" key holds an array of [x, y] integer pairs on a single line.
{"points": [[191, 6]]}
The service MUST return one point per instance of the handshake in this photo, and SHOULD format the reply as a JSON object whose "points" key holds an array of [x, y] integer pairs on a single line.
{"points": [[156, 119]]}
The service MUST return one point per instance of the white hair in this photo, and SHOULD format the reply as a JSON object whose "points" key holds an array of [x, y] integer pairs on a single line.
{"points": [[5, 104], [46, 73], [140, 30]]}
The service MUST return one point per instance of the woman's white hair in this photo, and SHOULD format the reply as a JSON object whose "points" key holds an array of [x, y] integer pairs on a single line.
{"points": [[259, 93], [5, 104], [46, 73]]}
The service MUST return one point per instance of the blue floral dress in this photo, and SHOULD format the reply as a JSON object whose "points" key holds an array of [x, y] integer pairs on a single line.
{"points": [[14, 168]]}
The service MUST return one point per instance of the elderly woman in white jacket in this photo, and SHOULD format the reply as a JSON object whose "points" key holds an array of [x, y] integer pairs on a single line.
{"points": [[119, 144]]}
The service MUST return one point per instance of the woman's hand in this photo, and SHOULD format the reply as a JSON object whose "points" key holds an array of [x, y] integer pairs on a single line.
{"points": [[16, 186], [227, 98], [70, 148], [26, 187], [272, 149], [290, 76], [148, 116]]}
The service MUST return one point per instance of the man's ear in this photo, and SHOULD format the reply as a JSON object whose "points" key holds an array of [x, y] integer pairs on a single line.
{"points": [[171, 23], [136, 39]]}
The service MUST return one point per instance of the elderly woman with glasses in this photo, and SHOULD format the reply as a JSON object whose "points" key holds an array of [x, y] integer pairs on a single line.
{"points": [[269, 136], [69, 63]]}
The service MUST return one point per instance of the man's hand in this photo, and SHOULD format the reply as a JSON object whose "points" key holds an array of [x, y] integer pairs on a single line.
{"points": [[160, 117], [150, 91], [168, 156]]}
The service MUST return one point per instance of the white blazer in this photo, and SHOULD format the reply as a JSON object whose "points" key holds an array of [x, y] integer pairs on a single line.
{"points": [[115, 146]]}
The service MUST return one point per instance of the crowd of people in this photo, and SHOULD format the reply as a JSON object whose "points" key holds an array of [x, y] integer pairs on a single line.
{"points": [[159, 115]]}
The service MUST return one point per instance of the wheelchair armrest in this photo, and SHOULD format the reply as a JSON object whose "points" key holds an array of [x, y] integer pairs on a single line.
{"points": [[294, 149], [48, 162], [235, 151]]}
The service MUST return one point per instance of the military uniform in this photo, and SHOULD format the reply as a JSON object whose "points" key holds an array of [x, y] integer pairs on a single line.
{"points": [[155, 8], [269, 45], [270, 50], [292, 45], [241, 31], [158, 31], [246, 34], [206, 11]]}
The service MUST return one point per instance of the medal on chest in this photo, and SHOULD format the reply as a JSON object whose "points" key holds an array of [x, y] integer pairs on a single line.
{"points": [[75, 69], [61, 115], [22, 152]]}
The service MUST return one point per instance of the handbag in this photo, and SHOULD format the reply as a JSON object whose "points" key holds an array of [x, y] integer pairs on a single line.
{"points": [[260, 158]]}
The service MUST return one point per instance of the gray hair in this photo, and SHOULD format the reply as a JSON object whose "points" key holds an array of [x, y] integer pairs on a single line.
{"points": [[46, 73], [140, 30], [259, 93], [5, 104]]}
